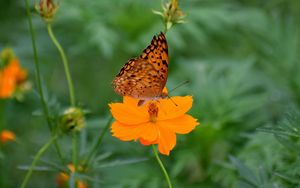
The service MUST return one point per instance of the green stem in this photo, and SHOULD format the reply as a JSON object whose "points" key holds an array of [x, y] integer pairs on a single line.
{"points": [[96, 146], [71, 89], [166, 28], [74, 150], [36, 159], [2, 114], [3, 167], [37, 67], [65, 62], [38, 79], [57, 148], [162, 166]]}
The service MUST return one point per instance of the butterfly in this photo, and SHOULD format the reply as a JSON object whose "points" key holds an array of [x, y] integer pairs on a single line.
{"points": [[145, 76]]}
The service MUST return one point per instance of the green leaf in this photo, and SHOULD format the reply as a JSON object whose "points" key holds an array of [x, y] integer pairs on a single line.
{"points": [[243, 184], [87, 177], [120, 162], [36, 168], [245, 173]]}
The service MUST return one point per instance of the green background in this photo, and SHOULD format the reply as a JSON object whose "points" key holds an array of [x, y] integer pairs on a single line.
{"points": [[241, 58]]}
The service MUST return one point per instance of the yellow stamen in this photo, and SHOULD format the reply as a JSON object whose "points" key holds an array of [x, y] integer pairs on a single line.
{"points": [[153, 112]]}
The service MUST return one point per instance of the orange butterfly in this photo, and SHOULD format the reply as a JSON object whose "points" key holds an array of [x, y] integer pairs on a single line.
{"points": [[145, 77]]}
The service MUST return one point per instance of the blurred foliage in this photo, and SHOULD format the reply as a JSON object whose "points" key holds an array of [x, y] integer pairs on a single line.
{"points": [[242, 61]]}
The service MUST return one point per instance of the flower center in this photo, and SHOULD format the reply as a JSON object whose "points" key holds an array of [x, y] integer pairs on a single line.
{"points": [[153, 112]]}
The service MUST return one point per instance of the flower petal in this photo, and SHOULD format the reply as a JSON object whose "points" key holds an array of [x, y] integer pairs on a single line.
{"points": [[6, 136], [125, 132], [146, 131], [174, 107], [7, 85], [130, 101], [149, 132], [128, 114], [166, 140], [147, 143], [181, 125]]}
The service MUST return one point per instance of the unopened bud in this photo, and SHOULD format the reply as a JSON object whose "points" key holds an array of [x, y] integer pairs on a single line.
{"points": [[47, 9], [72, 119], [6, 55], [171, 14]]}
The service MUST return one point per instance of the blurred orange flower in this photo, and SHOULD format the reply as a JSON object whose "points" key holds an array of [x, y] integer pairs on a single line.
{"points": [[6, 136], [156, 122], [63, 178], [11, 76]]}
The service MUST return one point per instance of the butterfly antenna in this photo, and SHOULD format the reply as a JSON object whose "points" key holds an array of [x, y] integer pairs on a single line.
{"points": [[172, 100], [179, 85]]}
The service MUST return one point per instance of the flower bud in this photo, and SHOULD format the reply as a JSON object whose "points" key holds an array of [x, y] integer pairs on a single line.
{"points": [[6, 55], [62, 178], [171, 14], [72, 119], [47, 9]]}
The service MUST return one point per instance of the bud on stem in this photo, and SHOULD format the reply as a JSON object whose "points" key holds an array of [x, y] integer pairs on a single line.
{"points": [[47, 9], [171, 14]]}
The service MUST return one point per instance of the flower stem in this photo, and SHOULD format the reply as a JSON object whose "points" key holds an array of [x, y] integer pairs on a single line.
{"points": [[38, 79], [2, 126], [74, 149], [96, 146], [71, 89], [166, 28], [2, 114], [37, 68], [65, 62], [36, 159], [162, 166], [57, 148]]}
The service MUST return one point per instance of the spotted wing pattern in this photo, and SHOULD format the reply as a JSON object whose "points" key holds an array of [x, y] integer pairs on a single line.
{"points": [[144, 77]]}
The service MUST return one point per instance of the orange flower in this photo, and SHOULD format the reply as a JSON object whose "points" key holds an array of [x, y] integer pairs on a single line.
{"points": [[6, 136], [11, 76], [156, 122], [63, 178]]}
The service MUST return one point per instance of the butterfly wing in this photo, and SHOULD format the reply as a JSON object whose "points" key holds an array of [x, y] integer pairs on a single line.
{"points": [[145, 77], [157, 54], [138, 79]]}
